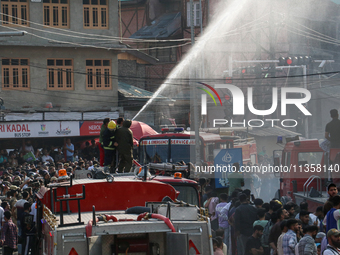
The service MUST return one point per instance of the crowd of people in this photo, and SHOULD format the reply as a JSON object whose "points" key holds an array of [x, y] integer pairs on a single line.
{"points": [[246, 226], [25, 170]]}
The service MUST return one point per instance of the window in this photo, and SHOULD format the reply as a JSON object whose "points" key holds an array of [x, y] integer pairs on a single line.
{"points": [[60, 74], [95, 13], [56, 13], [15, 74], [14, 12], [196, 13], [309, 158], [98, 74]]}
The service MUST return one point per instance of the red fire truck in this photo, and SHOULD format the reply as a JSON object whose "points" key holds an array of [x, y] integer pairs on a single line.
{"points": [[305, 170], [174, 145], [88, 216]]}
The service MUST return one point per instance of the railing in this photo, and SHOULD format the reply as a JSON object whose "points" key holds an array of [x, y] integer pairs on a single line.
{"points": [[309, 181]]}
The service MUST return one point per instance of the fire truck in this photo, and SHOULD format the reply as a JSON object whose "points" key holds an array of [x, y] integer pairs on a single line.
{"points": [[305, 170], [174, 145], [119, 216]]}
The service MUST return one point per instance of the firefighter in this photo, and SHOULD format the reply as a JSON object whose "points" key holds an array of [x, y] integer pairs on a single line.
{"points": [[125, 146], [110, 144], [101, 148]]}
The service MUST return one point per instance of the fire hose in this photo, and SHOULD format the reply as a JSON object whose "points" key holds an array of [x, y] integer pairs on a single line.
{"points": [[141, 216], [166, 220]]}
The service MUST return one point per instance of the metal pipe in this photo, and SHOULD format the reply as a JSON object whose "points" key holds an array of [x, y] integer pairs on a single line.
{"points": [[13, 33]]}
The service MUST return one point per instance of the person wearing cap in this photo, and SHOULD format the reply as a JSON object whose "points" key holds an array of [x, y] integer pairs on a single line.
{"points": [[333, 237], [110, 144], [319, 237]]}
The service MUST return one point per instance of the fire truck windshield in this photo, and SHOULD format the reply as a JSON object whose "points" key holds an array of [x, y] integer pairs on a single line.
{"points": [[164, 151]]}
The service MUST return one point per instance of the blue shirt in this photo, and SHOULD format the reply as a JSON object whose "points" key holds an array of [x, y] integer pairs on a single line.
{"points": [[71, 147], [331, 221], [289, 242]]}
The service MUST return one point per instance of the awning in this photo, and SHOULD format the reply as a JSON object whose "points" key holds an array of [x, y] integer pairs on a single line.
{"points": [[167, 25]]}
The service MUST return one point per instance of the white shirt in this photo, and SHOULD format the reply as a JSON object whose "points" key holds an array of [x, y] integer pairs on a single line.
{"points": [[28, 149], [314, 218], [2, 216], [279, 244], [47, 158], [34, 212]]}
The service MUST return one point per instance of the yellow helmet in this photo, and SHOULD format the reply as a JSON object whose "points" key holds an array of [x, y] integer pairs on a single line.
{"points": [[111, 125]]}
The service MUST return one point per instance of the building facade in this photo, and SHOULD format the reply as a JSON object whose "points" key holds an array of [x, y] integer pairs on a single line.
{"points": [[67, 59]]}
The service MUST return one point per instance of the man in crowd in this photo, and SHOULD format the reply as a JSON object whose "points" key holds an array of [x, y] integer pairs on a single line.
{"points": [[245, 215], [333, 237], [222, 215], [332, 192], [289, 240], [333, 215], [253, 246], [275, 232], [9, 237], [69, 147], [332, 131], [307, 243]]}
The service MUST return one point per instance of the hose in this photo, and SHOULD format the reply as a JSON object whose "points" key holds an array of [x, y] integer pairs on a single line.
{"points": [[166, 220]]}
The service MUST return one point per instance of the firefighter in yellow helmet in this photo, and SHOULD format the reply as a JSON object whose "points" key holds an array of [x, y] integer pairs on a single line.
{"points": [[110, 144]]}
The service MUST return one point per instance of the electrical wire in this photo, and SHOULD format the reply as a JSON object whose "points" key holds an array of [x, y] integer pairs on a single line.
{"points": [[87, 35], [100, 47]]}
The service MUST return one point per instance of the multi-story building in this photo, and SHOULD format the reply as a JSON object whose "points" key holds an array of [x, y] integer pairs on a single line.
{"points": [[66, 58]]}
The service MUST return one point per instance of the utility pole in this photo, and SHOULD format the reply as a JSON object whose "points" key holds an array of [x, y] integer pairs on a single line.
{"points": [[192, 76]]}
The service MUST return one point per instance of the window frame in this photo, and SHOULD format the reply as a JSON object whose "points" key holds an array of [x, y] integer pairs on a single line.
{"points": [[94, 69], [51, 16], [197, 11], [56, 74], [10, 76], [100, 12], [21, 21]]}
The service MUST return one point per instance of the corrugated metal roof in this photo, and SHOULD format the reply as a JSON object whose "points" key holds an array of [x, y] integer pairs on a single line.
{"points": [[136, 93], [165, 26], [272, 131]]}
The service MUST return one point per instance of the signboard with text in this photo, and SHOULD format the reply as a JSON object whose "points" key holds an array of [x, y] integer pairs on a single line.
{"points": [[90, 128], [39, 129]]}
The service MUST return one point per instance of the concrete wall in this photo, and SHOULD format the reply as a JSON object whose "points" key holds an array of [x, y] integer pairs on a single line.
{"points": [[77, 99]]}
